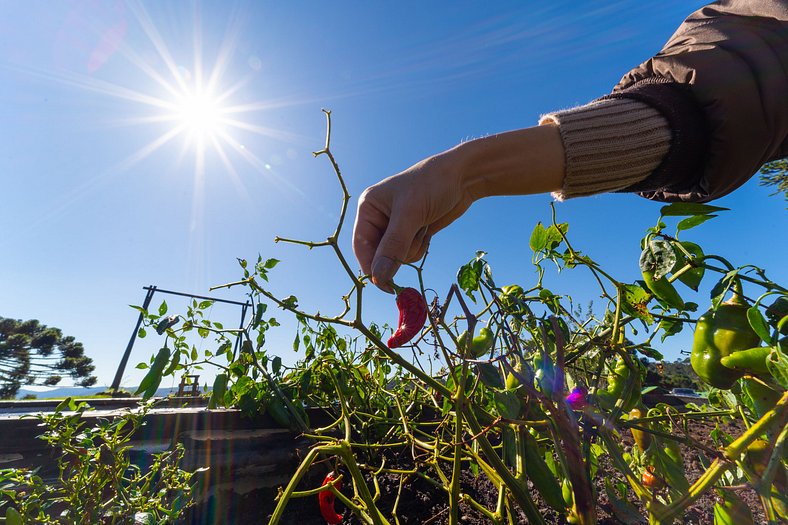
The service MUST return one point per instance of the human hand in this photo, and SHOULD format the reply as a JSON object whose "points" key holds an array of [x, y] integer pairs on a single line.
{"points": [[398, 216]]}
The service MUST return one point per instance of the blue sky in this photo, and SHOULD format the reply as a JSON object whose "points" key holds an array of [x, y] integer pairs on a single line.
{"points": [[101, 196]]}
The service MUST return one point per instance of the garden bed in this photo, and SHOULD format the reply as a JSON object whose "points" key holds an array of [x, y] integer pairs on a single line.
{"points": [[422, 503]]}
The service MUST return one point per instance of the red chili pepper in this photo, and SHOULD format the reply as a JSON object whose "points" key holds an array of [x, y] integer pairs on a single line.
{"points": [[412, 315], [326, 499]]}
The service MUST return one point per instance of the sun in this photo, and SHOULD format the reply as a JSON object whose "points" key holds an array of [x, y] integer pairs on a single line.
{"points": [[200, 115]]}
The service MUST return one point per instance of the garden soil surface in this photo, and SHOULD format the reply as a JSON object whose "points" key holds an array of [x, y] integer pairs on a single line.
{"points": [[423, 504]]}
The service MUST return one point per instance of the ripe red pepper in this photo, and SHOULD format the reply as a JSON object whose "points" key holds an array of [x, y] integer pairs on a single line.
{"points": [[326, 499], [412, 315], [651, 480]]}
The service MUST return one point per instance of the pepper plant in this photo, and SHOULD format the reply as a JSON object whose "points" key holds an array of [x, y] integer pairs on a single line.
{"points": [[514, 383], [96, 482]]}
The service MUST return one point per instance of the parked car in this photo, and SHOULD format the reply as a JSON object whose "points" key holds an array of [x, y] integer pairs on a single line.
{"points": [[684, 392]]}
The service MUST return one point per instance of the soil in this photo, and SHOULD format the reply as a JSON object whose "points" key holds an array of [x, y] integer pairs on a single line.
{"points": [[423, 504]]}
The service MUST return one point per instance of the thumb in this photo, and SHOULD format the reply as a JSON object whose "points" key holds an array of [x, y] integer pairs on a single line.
{"points": [[392, 250]]}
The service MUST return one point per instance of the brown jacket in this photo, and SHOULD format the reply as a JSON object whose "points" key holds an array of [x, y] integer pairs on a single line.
{"points": [[721, 81]]}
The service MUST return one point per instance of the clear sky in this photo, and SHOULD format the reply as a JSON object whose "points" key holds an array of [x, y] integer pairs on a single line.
{"points": [[111, 181]]}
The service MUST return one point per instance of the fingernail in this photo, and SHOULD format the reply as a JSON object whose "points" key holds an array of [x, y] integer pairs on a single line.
{"points": [[383, 270]]}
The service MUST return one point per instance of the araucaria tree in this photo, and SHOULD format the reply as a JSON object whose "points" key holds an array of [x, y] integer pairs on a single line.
{"points": [[31, 353]]}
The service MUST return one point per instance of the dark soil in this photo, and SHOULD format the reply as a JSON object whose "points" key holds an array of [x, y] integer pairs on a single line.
{"points": [[423, 503]]}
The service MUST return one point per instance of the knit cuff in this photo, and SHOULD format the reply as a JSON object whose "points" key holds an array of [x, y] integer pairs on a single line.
{"points": [[609, 144]]}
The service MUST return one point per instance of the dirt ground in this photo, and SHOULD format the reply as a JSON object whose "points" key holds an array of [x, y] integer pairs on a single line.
{"points": [[423, 504]]}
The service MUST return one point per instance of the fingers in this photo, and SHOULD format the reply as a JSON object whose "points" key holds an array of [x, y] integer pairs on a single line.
{"points": [[395, 246], [367, 232], [419, 245]]}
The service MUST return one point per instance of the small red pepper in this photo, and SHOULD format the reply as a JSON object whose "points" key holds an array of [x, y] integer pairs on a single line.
{"points": [[412, 315], [650, 480], [326, 499]]}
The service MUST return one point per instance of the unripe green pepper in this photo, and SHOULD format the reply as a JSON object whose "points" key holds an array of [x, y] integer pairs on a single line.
{"points": [[512, 383], [732, 510], [544, 375], [480, 345], [663, 290], [616, 383], [719, 334], [752, 360], [510, 299]]}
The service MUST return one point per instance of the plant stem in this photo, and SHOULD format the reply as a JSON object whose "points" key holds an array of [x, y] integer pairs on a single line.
{"points": [[519, 490], [718, 467]]}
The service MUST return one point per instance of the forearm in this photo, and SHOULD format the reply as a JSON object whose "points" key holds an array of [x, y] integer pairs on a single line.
{"points": [[520, 162]]}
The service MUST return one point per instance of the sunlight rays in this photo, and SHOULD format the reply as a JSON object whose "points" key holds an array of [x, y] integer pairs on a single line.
{"points": [[193, 102]]}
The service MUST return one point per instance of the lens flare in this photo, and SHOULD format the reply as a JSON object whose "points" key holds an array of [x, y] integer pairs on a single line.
{"points": [[200, 114]]}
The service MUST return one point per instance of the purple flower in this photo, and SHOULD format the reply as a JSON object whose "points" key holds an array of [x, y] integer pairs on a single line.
{"points": [[577, 398]]}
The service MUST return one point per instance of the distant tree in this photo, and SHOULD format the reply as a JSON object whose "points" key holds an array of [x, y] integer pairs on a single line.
{"points": [[669, 375], [31, 353], [776, 174]]}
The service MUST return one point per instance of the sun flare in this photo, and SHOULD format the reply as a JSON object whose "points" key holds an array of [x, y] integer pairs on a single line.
{"points": [[200, 115]]}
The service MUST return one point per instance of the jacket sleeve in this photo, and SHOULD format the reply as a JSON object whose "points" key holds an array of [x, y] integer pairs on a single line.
{"points": [[694, 122]]}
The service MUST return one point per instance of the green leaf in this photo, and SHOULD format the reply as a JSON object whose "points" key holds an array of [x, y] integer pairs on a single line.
{"points": [[658, 257], [538, 240], [777, 363], [163, 308], [218, 391], [205, 304], [650, 352], [489, 375], [679, 209], [276, 365], [719, 290], [508, 403], [623, 510], [291, 301], [673, 473], [469, 275], [270, 263], [671, 327], [296, 343], [141, 333], [12, 516], [555, 234], [693, 277], [142, 366], [758, 324], [634, 301], [67, 403], [691, 222]]}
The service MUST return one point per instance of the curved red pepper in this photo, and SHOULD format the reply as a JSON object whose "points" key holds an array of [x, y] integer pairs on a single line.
{"points": [[326, 499], [412, 315]]}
